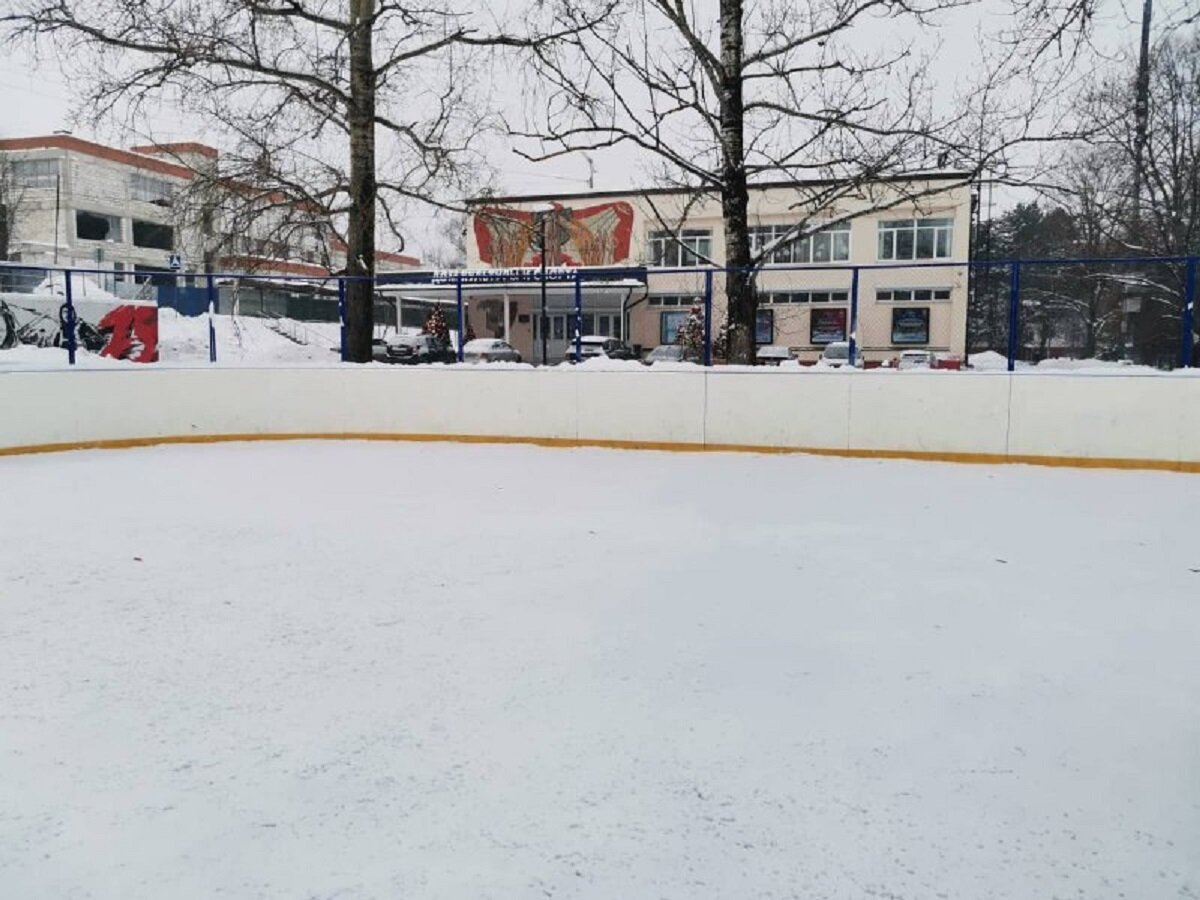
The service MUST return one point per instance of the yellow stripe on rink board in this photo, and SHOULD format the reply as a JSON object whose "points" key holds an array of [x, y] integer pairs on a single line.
{"points": [[1077, 462]]}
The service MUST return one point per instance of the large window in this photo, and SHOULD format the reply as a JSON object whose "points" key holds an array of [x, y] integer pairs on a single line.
{"points": [[153, 235], [830, 244], [777, 298], [905, 295], [92, 226], [151, 190], [915, 238], [691, 248], [35, 173]]}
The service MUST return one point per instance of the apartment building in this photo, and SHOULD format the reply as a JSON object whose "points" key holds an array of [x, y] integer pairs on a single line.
{"points": [[908, 238], [82, 204]]}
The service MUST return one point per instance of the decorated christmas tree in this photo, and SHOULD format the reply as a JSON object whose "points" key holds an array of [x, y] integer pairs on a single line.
{"points": [[721, 341], [436, 325], [691, 333]]}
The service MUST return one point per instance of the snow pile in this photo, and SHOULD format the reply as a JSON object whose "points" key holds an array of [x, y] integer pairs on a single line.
{"points": [[246, 340], [282, 671], [989, 361]]}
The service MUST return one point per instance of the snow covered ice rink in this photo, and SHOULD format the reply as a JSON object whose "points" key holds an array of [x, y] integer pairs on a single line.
{"points": [[368, 670]]}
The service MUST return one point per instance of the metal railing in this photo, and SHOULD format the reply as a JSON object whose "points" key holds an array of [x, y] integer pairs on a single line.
{"points": [[1139, 308]]}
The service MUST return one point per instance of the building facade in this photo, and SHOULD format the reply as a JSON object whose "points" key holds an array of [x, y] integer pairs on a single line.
{"points": [[909, 240], [76, 203]]}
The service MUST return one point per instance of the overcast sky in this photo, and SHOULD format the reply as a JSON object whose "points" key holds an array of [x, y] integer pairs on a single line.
{"points": [[36, 100]]}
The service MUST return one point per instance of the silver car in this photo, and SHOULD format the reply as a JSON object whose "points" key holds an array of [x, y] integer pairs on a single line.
{"points": [[489, 350]]}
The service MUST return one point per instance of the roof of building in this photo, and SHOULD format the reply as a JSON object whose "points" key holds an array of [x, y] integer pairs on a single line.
{"points": [[398, 258], [939, 175], [90, 148], [178, 149]]}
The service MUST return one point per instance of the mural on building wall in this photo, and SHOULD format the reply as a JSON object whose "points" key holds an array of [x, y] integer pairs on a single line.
{"points": [[597, 235]]}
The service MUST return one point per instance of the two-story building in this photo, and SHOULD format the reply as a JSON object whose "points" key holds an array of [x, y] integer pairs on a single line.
{"points": [[908, 239], [77, 203]]}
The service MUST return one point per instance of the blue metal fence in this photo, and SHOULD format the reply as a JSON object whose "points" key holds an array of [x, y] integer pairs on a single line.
{"points": [[1035, 290]]}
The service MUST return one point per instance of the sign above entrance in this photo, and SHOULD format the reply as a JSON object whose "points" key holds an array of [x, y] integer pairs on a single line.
{"points": [[516, 274]]}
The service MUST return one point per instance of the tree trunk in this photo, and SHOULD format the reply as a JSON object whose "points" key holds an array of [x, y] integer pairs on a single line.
{"points": [[360, 237], [735, 198], [4, 232]]}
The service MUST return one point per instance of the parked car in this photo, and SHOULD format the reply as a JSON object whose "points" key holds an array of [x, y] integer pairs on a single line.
{"points": [[671, 353], [378, 350], [418, 348], [772, 355], [591, 346], [489, 350], [916, 359], [837, 354]]}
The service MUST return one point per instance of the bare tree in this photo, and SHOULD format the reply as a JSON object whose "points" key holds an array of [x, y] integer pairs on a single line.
{"points": [[305, 87], [1138, 194], [774, 91], [12, 195]]}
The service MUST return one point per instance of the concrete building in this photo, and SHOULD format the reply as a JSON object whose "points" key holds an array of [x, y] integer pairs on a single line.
{"points": [[910, 237], [82, 204]]}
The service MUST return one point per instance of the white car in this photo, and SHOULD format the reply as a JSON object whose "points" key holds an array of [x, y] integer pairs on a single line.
{"points": [[489, 350], [916, 359], [837, 354]]}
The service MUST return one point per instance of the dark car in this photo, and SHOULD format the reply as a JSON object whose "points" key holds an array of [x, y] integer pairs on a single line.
{"points": [[592, 346], [411, 349]]}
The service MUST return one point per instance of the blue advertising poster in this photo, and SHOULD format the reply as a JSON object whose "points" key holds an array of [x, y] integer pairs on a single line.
{"points": [[910, 325], [764, 327]]}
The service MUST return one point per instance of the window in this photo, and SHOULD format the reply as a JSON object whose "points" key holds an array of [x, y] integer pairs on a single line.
{"points": [[777, 298], [915, 238], [905, 295], [91, 226], [153, 235], [827, 325], [666, 250], [673, 300], [669, 325], [910, 325], [151, 190], [35, 173], [830, 244]]}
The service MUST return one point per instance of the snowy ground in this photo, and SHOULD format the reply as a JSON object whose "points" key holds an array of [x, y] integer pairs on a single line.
{"points": [[378, 671]]}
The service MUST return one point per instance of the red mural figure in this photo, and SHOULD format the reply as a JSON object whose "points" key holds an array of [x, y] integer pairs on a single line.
{"points": [[131, 332], [592, 236]]}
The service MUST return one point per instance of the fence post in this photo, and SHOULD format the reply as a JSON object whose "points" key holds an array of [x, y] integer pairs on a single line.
{"points": [[1189, 313], [462, 330], [708, 292], [211, 282], [852, 353], [70, 322], [341, 283], [1014, 314], [579, 316]]}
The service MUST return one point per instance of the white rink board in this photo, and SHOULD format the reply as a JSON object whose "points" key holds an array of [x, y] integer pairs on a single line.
{"points": [[993, 415]]}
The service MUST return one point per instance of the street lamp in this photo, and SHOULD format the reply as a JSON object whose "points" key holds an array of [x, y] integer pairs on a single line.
{"points": [[541, 213]]}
